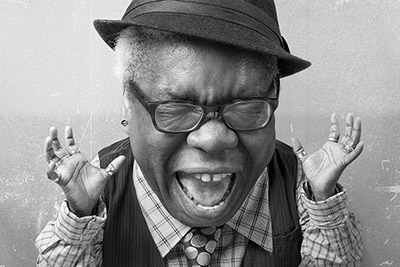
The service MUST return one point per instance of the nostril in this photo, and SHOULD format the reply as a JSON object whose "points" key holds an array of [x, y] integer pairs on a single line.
{"points": [[213, 115], [213, 137]]}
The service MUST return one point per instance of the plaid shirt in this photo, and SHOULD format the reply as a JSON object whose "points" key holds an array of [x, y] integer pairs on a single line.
{"points": [[331, 234]]}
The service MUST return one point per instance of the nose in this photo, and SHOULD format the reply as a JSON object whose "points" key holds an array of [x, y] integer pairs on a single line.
{"points": [[213, 137]]}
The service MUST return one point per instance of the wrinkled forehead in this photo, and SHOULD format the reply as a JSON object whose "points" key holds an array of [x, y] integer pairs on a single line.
{"points": [[150, 54], [206, 65], [199, 53]]}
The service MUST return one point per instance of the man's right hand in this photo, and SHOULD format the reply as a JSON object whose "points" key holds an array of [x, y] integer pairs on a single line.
{"points": [[81, 182]]}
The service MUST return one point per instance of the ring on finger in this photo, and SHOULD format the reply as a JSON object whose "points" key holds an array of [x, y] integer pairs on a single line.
{"points": [[58, 163], [74, 152], [110, 169], [350, 141], [346, 138], [61, 153], [60, 159], [332, 138], [301, 154], [348, 148], [73, 149]]}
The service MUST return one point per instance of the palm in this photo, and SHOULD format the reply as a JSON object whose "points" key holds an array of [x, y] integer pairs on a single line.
{"points": [[324, 167], [81, 182]]}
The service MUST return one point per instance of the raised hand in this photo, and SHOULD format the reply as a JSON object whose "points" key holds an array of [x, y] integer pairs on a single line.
{"points": [[324, 167], [81, 182]]}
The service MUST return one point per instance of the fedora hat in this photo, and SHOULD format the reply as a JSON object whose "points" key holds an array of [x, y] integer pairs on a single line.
{"points": [[248, 24]]}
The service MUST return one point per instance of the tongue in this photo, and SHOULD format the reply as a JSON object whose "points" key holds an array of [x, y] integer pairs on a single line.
{"points": [[207, 194]]}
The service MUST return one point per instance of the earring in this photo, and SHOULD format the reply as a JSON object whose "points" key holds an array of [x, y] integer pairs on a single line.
{"points": [[124, 123]]}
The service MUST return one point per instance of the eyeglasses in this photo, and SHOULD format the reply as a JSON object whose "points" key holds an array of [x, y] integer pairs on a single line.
{"points": [[181, 116]]}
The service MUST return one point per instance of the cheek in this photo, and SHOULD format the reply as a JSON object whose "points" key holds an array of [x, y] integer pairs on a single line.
{"points": [[260, 144], [152, 150], [145, 139]]}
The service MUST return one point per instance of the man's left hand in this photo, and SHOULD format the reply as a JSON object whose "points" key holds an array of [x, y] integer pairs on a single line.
{"points": [[324, 167]]}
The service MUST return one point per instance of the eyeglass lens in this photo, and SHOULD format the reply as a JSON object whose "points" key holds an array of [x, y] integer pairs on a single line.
{"points": [[177, 117], [241, 115]]}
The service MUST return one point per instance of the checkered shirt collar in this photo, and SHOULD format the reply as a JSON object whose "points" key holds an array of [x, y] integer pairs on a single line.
{"points": [[251, 220]]}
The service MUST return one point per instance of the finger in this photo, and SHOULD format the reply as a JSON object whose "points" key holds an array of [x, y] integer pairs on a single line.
{"points": [[355, 153], [334, 131], [52, 172], [54, 136], [48, 148], [71, 146], [298, 149], [58, 149], [356, 134], [352, 134], [349, 126], [113, 167], [69, 136]]}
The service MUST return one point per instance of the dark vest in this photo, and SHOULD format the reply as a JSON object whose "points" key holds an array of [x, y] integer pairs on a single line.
{"points": [[127, 240]]}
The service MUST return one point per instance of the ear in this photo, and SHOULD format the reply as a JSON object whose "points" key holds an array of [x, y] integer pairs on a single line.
{"points": [[126, 111]]}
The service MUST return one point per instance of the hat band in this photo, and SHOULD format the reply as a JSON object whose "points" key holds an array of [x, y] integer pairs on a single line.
{"points": [[248, 15]]}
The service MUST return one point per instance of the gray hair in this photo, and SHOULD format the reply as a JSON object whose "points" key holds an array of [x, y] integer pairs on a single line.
{"points": [[135, 44]]}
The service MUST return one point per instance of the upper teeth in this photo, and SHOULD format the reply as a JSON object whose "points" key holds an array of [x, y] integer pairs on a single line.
{"points": [[207, 177]]}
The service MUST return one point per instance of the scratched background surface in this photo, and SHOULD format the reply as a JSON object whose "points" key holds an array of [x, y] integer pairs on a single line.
{"points": [[55, 70]]}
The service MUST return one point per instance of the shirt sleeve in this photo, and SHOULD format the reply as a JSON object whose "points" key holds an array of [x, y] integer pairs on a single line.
{"points": [[331, 233], [72, 241]]}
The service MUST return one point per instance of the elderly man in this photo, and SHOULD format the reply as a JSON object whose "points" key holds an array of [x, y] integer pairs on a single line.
{"points": [[201, 180]]}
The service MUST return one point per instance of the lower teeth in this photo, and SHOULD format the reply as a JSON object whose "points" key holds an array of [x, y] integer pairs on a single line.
{"points": [[210, 208], [220, 203]]}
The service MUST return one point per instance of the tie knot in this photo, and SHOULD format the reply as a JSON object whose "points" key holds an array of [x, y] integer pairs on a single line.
{"points": [[199, 244]]}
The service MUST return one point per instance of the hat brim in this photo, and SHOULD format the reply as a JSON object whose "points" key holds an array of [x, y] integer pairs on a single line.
{"points": [[206, 28]]}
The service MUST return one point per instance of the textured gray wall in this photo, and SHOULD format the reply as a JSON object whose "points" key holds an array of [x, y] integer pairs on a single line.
{"points": [[55, 70]]}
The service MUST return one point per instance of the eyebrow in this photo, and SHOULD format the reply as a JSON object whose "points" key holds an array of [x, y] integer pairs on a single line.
{"points": [[168, 94]]}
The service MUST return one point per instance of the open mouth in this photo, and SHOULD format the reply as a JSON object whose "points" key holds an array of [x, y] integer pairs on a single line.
{"points": [[206, 190]]}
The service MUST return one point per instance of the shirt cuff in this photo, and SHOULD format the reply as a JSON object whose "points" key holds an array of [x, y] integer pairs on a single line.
{"points": [[79, 230], [327, 213]]}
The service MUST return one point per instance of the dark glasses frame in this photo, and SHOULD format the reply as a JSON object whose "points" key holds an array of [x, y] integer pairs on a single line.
{"points": [[151, 106]]}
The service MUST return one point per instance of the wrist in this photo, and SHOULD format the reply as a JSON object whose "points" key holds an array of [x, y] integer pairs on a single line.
{"points": [[83, 212], [316, 195]]}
